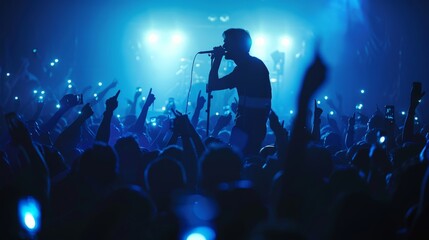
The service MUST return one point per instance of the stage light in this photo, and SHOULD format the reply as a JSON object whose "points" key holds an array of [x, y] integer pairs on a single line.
{"points": [[177, 38], [286, 42], [260, 40], [152, 37], [224, 18]]}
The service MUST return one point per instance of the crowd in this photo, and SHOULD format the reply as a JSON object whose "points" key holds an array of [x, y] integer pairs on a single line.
{"points": [[75, 172]]}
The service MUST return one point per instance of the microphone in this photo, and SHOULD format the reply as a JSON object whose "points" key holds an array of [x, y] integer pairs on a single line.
{"points": [[211, 52]]}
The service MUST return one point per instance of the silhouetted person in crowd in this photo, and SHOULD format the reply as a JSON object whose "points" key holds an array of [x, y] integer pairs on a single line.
{"points": [[251, 79]]}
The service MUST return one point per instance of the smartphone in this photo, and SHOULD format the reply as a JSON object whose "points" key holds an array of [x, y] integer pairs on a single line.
{"points": [[79, 99], [389, 112]]}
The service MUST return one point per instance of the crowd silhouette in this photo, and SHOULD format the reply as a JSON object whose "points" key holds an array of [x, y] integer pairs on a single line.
{"points": [[92, 175]]}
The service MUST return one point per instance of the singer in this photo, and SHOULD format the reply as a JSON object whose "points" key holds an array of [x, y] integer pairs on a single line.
{"points": [[251, 79]]}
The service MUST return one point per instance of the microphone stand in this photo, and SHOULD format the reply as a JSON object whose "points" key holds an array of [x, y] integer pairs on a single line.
{"points": [[209, 98]]}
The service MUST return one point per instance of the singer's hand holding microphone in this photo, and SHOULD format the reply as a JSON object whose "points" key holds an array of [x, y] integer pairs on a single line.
{"points": [[216, 52]]}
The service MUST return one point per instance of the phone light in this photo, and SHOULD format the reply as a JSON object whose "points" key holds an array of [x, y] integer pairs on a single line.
{"points": [[35, 91], [326, 97], [42, 92], [318, 102], [359, 106], [140, 89], [362, 91], [100, 84], [52, 64], [201, 233], [331, 113], [144, 98], [416, 118], [189, 103], [56, 60], [291, 112], [154, 124], [34, 50], [16, 97], [403, 113], [420, 100], [217, 113], [69, 81], [95, 95], [41, 97], [29, 214], [7, 74], [58, 106], [382, 139], [80, 112], [69, 86], [118, 116], [163, 108]]}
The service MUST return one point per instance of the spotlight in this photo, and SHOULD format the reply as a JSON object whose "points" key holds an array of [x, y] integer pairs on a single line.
{"points": [[152, 38], [260, 40], [177, 38], [286, 42]]}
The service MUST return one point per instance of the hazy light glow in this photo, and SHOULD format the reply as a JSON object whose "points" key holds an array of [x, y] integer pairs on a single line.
{"points": [[331, 113], [201, 233], [286, 42], [382, 139], [152, 38], [177, 38], [260, 40], [69, 86], [56, 60], [403, 113], [69, 81], [29, 214], [52, 64], [362, 91], [100, 84]]}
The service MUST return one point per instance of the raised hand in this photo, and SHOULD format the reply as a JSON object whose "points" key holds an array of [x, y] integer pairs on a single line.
{"points": [[68, 101], [317, 111], [137, 95], [150, 98], [17, 130], [352, 121], [86, 111], [113, 84], [275, 124], [416, 94], [314, 77], [201, 100], [112, 103]]}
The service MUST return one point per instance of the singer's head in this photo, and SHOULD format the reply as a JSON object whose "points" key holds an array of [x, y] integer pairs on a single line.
{"points": [[236, 41]]}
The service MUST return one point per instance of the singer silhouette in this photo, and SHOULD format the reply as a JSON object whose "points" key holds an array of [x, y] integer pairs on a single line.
{"points": [[251, 79]]}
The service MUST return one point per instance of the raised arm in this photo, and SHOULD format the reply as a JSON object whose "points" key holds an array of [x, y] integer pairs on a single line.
{"points": [[139, 125], [199, 105], [103, 93], [103, 133], [415, 97], [315, 133], [67, 102]]}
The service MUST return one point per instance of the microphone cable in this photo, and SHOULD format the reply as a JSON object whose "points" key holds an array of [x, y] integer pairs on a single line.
{"points": [[190, 84]]}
